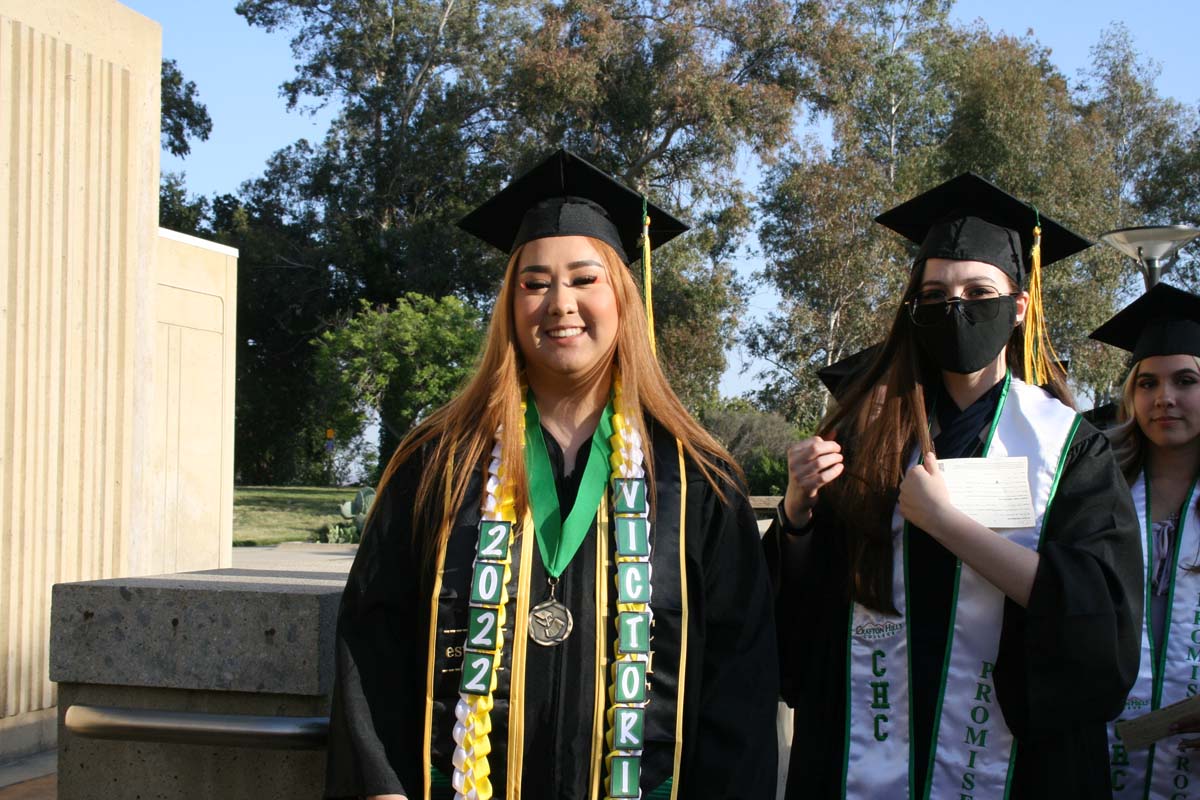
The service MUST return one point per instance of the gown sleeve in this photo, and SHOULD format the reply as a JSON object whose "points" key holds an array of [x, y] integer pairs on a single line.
{"points": [[1070, 658], [375, 716], [735, 751], [808, 577]]}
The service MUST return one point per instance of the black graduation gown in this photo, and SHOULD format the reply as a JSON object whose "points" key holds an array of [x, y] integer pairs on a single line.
{"points": [[1065, 663], [377, 726]]}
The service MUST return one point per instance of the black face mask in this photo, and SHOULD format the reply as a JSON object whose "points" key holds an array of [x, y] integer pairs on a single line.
{"points": [[964, 336]]}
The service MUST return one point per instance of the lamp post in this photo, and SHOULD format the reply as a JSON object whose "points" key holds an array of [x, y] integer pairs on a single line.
{"points": [[1153, 247]]}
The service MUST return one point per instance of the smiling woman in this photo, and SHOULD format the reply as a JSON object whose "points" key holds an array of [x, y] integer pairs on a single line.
{"points": [[565, 310], [560, 591]]}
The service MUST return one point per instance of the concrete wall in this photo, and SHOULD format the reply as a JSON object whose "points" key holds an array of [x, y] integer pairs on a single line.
{"points": [[191, 473], [89, 487]]}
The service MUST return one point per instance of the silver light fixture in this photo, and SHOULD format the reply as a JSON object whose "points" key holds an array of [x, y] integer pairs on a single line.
{"points": [[1154, 247]]}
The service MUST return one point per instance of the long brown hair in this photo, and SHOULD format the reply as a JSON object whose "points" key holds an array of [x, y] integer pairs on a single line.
{"points": [[459, 434], [879, 421]]}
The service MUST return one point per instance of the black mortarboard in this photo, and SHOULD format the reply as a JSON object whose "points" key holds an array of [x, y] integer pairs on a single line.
{"points": [[1165, 321], [837, 376], [566, 196], [970, 219]]}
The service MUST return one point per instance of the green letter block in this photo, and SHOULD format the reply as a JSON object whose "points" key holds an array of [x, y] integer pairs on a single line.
{"points": [[628, 724], [633, 582], [625, 775], [631, 682], [631, 495], [634, 632], [493, 540], [481, 630], [633, 537], [476, 674], [486, 583]]}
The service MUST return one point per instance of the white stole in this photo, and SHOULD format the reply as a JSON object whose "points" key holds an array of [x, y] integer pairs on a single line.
{"points": [[973, 752], [1163, 772]]}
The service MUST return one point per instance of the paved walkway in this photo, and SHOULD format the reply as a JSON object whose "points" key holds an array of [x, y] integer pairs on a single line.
{"points": [[29, 778], [37, 789], [296, 557]]}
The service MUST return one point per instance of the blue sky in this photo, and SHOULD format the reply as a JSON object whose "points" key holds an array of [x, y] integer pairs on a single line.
{"points": [[238, 70]]}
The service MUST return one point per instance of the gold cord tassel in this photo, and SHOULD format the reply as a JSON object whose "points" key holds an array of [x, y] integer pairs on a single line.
{"points": [[1039, 356], [646, 277]]}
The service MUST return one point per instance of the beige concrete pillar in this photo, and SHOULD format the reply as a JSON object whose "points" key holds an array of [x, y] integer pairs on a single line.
{"points": [[79, 151]]}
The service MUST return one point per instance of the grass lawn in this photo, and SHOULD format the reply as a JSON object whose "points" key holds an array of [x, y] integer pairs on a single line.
{"points": [[274, 514]]}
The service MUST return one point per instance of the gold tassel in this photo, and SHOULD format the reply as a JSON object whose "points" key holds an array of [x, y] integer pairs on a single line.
{"points": [[1039, 356], [646, 278]]}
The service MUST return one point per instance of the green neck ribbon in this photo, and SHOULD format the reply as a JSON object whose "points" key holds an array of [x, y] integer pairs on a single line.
{"points": [[557, 540]]}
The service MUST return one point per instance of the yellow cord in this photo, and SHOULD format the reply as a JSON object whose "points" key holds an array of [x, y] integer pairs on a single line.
{"points": [[1039, 355], [646, 277]]}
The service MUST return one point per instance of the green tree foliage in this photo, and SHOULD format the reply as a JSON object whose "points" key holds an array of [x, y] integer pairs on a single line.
{"points": [[287, 294], [833, 268], [837, 273], [666, 95], [396, 364], [368, 213], [416, 86], [1124, 107], [183, 115], [1089, 155], [439, 103], [880, 77], [178, 210], [697, 304], [756, 439], [1170, 194]]}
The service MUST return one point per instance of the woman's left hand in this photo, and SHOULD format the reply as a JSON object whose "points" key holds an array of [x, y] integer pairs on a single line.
{"points": [[924, 498]]}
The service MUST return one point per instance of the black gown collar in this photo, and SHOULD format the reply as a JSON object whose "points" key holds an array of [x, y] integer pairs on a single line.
{"points": [[567, 485]]}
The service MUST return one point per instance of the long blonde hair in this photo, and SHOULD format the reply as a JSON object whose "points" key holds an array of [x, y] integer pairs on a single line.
{"points": [[460, 434]]}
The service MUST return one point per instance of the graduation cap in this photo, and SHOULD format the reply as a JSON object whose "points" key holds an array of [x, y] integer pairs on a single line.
{"points": [[970, 219], [564, 195], [838, 375], [1165, 321]]}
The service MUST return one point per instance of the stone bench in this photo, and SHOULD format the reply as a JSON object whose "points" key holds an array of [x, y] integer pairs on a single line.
{"points": [[185, 648]]}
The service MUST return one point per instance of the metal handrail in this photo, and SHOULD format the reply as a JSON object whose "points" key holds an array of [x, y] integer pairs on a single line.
{"points": [[194, 727]]}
